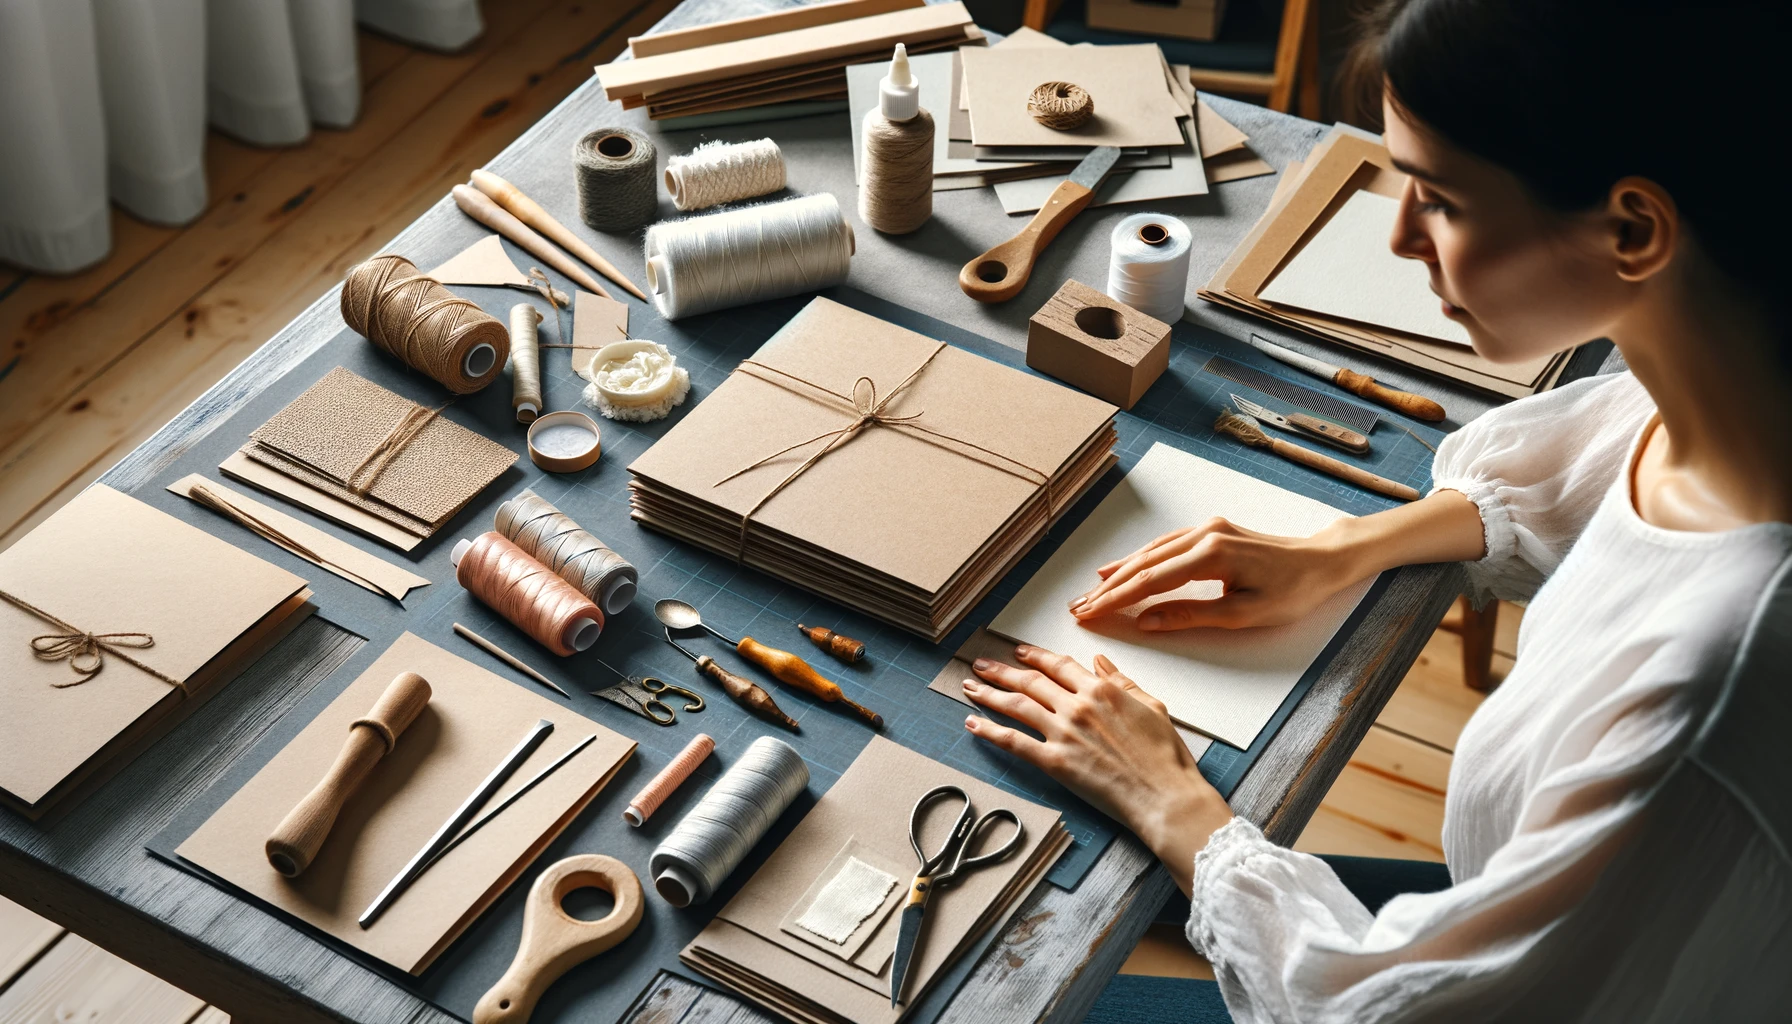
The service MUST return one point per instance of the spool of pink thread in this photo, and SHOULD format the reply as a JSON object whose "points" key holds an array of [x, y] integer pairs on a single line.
{"points": [[652, 795]]}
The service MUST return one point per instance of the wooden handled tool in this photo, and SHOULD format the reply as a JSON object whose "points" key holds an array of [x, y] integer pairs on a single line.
{"points": [[482, 208], [999, 274], [794, 671], [1361, 384], [302, 832], [1245, 429], [741, 690], [530, 212], [554, 941], [843, 647]]}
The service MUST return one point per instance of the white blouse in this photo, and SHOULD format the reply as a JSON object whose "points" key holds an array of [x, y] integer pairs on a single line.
{"points": [[1616, 842]]}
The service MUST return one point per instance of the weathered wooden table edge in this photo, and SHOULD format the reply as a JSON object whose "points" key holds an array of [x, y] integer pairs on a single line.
{"points": [[1053, 960]]}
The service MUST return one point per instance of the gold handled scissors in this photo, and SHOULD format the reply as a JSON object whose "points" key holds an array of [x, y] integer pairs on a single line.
{"points": [[965, 833], [642, 696]]}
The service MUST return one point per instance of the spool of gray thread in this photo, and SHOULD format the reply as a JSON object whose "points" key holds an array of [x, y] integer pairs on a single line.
{"points": [[718, 833], [618, 187]]}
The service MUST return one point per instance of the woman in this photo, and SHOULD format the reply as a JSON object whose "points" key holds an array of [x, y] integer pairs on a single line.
{"points": [[1616, 824]]}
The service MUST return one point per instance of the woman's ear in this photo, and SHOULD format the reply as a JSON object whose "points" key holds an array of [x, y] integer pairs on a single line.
{"points": [[1647, 228]]}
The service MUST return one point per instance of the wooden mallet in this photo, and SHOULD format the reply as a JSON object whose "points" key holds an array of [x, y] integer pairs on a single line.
{"points": [[302, 832]]}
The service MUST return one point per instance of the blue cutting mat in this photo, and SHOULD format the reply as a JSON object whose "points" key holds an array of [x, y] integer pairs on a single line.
{"points": [[738, 601]]}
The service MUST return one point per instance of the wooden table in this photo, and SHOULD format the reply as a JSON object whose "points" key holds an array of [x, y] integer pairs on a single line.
{"points": [[89, 871]]}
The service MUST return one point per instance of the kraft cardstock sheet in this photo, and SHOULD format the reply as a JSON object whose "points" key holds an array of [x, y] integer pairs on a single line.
{"points": [[473, 719], [1225, 683], [1133, 102], [108, 563]]}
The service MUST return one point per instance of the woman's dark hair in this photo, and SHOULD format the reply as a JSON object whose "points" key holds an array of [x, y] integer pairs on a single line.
{"points": [[1571, 96]]}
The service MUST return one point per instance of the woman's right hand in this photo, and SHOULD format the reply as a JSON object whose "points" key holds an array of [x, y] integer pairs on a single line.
{"points": [[1272, 580], [1268, 580]]}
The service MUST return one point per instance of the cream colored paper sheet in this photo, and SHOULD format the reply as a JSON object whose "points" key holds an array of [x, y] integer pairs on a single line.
{"points": [[1225, 683], [1347, 270]]}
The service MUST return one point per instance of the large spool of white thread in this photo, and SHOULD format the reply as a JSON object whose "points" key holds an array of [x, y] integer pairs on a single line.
{"points": [[718, 833], [1148, 268], [759, 252]]}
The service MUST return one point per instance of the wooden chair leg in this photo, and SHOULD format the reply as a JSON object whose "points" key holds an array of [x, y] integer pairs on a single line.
{"points": [[1295, 15], [1308, 72], [1477, 645]]}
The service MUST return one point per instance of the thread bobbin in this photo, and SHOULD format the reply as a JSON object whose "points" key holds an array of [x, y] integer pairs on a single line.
{"points": [[726, 259], [614, 171], [411, 317], [722, 172], [718, 833], [642, 805], [526, 593]]}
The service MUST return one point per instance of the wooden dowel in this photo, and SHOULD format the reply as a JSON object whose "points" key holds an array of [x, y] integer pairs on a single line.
{"points": [[1342, 470], [298, 837], [531, 213], [480, 207]]}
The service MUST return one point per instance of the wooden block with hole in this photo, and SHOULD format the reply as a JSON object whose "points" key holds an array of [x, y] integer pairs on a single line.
{"points": [[1098, 344]]}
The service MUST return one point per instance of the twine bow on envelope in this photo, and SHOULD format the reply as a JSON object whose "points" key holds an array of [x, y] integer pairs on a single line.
{"points": [[86, 652], [869, 411]]}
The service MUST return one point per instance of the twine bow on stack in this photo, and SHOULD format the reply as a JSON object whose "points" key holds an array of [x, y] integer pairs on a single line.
{"points": [[86, 652], [870, 412]]}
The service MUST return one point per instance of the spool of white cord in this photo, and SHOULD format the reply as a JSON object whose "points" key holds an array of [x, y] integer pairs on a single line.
{"points": [[721, 172], [1148, 268], [718, 833], [739, 256]]}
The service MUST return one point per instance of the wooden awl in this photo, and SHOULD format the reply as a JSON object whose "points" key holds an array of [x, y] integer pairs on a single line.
{"points": [[302, 832]]}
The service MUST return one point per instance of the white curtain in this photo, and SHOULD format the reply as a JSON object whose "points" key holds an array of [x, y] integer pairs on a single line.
{"points": [[108, 100]]}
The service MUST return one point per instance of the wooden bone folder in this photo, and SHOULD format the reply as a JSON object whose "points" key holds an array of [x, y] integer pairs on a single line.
{"points": [[302, 832]]}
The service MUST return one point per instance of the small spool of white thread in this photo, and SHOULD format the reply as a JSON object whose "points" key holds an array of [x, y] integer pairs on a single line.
{"points": [[1148, 268], [759, 252], [718, 833], [722, 172]]}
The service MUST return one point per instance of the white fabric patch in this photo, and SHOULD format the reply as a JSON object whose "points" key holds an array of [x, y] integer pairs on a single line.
{"points": [[852, 895]]}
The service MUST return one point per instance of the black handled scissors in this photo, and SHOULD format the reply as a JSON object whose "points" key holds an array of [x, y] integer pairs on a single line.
{"points": [[965, 833]]}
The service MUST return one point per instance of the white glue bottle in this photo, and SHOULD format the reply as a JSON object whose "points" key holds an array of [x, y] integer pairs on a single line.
{"points": [[896, 184]]}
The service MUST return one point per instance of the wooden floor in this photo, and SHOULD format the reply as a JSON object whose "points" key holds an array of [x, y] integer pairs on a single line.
{"points": [[92, 364]]}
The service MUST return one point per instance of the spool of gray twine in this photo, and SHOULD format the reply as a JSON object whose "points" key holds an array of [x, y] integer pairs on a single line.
{"points": [[618, 189], [718, 833]]}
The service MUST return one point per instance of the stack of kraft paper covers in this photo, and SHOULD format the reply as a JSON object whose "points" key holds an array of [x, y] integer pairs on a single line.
{"points": [[957, 466]]}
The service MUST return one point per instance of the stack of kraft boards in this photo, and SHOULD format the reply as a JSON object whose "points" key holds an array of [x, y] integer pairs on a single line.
{"points": [[865, 463], [799, 55], [179, 612], [1318, 261]]}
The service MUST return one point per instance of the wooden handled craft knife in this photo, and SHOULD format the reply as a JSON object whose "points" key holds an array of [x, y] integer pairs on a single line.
{"points": [[1361, 384], [999, 274]]}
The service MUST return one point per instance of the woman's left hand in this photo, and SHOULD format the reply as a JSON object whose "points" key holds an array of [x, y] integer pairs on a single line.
{"points": [[1106, 740]]}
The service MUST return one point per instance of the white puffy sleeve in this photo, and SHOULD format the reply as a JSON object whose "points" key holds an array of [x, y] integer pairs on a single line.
{"points": [[1537, 469], [1289, 943]]}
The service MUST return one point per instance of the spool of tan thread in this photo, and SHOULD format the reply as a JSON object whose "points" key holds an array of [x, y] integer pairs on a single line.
{"points": [[552, 538], [642, 805], [721, 172], [526, 593], [422, 324], [302, 832], [896, 186], [525, 362]]}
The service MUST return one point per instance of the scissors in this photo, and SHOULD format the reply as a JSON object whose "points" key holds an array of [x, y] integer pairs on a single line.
{"points": [[628, 694], [965, 833]]}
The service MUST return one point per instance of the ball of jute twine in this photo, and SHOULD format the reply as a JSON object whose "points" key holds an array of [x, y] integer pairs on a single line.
{"points": [[614, 169], [423, 324], [1061, 106]]}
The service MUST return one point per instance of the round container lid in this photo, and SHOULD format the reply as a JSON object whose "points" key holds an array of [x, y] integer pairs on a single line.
{"points": [[564, 442]]}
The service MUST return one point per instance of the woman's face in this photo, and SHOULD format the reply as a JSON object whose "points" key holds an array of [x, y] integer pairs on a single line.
{"points": [[1524, 280]]}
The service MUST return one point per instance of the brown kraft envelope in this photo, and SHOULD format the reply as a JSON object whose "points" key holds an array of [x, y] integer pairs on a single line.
{"points": [[473, 719], [108, 563], [862, 503], [1133, 104], [871, 804]]}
